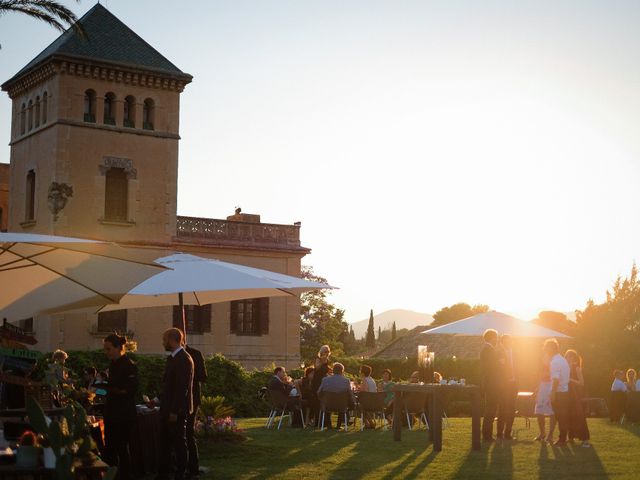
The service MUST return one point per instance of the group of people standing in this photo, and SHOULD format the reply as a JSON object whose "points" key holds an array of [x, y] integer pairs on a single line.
{"points": [[559, 394]]}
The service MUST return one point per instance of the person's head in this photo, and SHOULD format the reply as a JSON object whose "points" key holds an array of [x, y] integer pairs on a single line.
{"points": [[619, 374], [90, 373], [102, 376], [506, 341], [386, 375], [114, 346], [280, 372], [365, 370], [490, 336], [551, 347], [309, 373], [338, 368], [415, 377], [59, 356], [631, 375], [573, 358], [172, 339], [324, 351], [437, 377]]}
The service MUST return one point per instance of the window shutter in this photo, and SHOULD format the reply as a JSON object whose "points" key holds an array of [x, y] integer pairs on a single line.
{"points": [[205, 319], [233, 317], [177, 317], [263, 309]]}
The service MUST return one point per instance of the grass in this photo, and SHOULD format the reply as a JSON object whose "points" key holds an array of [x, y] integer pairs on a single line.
{"points": [[307, 454]]}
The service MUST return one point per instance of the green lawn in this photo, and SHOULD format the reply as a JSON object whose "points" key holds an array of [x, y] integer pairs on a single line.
{"points": [[304, 454]]}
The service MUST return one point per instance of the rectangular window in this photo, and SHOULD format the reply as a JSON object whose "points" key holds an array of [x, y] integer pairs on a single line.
{"points": [[30, 207], [114, 321], [250, 317], [116, 193], [198, 318]]}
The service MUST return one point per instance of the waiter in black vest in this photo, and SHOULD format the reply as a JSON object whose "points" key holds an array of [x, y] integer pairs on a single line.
{"points": [[176, 404], [199, 376]]}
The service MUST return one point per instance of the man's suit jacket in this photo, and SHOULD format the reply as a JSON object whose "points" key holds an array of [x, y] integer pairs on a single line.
{"points": [[199, 374], [279, 390], [335, 383], [490, 368], [176, 395]]}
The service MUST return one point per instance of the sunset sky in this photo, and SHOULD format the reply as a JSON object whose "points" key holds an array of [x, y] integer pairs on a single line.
{"points": [[435, 152]]}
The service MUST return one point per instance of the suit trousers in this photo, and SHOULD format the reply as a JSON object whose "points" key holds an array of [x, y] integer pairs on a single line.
{"points": [[561, 407], [173, 439], [116, 439], [491, 400], [507, 409], [192, 446]]}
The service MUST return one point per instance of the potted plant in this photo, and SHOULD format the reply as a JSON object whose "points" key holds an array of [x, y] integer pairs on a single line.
{"points": [[28, 450]]}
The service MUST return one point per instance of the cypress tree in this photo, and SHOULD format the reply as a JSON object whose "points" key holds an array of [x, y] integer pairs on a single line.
{"points": [[393, 331], [370, 340]]}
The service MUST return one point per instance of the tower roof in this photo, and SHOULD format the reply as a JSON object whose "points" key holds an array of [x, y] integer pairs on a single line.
{"points": [[107, 40]]}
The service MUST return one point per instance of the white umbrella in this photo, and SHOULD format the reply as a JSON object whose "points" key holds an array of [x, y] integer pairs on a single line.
{"points": [[505, 324], [45, 273], [194, 280]]}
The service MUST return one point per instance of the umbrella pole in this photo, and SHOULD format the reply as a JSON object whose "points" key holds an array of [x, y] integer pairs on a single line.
{"points": [[184, 320]]}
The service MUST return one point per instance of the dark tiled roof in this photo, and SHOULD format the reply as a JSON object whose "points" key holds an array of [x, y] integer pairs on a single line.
{"points": [[108, 40]]}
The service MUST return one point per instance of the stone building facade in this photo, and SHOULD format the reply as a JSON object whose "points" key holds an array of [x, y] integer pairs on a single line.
{"points": [[94, 154]]}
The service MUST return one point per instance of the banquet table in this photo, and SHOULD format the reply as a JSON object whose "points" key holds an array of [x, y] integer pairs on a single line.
{"points": [[144, 442], [435, 395]]}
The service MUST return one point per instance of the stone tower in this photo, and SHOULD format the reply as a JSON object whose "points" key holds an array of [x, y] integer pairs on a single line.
{"points": [[94, 136]]}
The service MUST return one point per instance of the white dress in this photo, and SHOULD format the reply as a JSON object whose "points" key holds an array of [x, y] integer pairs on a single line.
{"points": [[543, 400]]}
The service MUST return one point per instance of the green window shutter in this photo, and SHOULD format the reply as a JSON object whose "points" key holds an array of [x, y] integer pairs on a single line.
{"points": [[263, 312]]}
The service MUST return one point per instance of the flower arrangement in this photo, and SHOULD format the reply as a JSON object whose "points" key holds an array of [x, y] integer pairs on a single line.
{"points": [[219, 429]]}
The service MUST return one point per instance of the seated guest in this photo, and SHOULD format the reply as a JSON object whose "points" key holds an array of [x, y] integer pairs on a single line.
{"points": [[631, 380], [89, 377], [367, 384], [437, 377], [618, 396], [309, 395], [386, 386], [336, 383], [280, 388], [415, 377], [618, 384]]}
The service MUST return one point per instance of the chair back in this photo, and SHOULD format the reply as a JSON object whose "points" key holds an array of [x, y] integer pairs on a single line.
{"points": [[415, 402], [372, 401], [335, 401], [276, 399]]}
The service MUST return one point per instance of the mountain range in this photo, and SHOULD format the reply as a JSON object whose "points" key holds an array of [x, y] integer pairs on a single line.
{"points": [[403, 318]]}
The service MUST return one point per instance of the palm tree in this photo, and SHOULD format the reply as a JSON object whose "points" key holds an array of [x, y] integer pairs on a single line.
{"points": [[48, 11]]}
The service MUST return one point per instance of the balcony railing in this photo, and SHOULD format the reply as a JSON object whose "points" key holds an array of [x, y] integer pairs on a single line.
{"points": [[234, 233]]}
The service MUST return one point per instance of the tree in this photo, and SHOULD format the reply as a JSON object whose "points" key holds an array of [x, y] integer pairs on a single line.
{"points": [[370, 339], [320, 322], [48, 11], [394, 332], [379, 333], [456, 312], [557, 321]]}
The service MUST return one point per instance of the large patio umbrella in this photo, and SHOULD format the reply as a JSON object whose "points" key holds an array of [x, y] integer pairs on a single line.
{"points": [[505, 324], [193, 280], [40, 274]]}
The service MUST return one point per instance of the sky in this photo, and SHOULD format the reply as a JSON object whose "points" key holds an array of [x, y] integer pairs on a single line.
{"points": [[435, 151]]}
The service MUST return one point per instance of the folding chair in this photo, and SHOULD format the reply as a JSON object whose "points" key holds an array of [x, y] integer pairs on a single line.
{"points": [[334, 402], [415, 403], [280, 405], [372, 402]]}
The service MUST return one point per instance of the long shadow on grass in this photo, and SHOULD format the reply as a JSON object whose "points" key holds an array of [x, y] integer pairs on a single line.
{"points": [[569, 461], [494, 461]]}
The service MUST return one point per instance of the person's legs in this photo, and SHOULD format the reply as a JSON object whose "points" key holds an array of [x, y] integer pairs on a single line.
{"points": [[561, 410], [124, 459], [165, 447], [180, 445], [552, 427], [192, 446], [490, 409], [541, 427], [510, 410]]}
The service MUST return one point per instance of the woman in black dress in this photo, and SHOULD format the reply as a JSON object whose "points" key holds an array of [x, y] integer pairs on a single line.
{"points": [[120, 405], [321, 370], [578, 427]]}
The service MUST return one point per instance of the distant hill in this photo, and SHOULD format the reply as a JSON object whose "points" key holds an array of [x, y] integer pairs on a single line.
{"points": [[403, 318]]}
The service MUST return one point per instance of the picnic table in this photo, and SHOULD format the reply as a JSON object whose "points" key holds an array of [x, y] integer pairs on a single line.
{"points": [[435, 395]]}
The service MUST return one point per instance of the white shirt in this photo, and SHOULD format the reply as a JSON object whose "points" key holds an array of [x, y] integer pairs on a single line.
{"points": [[175, 352], [560, 370], [618, 386], [371, 384], [638, 386]]}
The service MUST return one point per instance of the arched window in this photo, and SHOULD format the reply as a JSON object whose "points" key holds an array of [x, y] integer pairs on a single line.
{"points": [[115, 195], [90, 106], [148, 114], [129, 112], [30, 206], [37, 111], [44, 108], [30, 115], [109, 109], [23, 119]]}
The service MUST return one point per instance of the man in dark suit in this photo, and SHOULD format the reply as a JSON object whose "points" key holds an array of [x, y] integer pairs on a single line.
{"points": [[176, 404], [280, 389], [489, 367], [508, 388], [199, 376]]}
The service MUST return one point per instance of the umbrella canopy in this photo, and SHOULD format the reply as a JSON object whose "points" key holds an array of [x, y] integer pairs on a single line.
{"points": [[201, 281], [503, 323], [44, 273]]}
